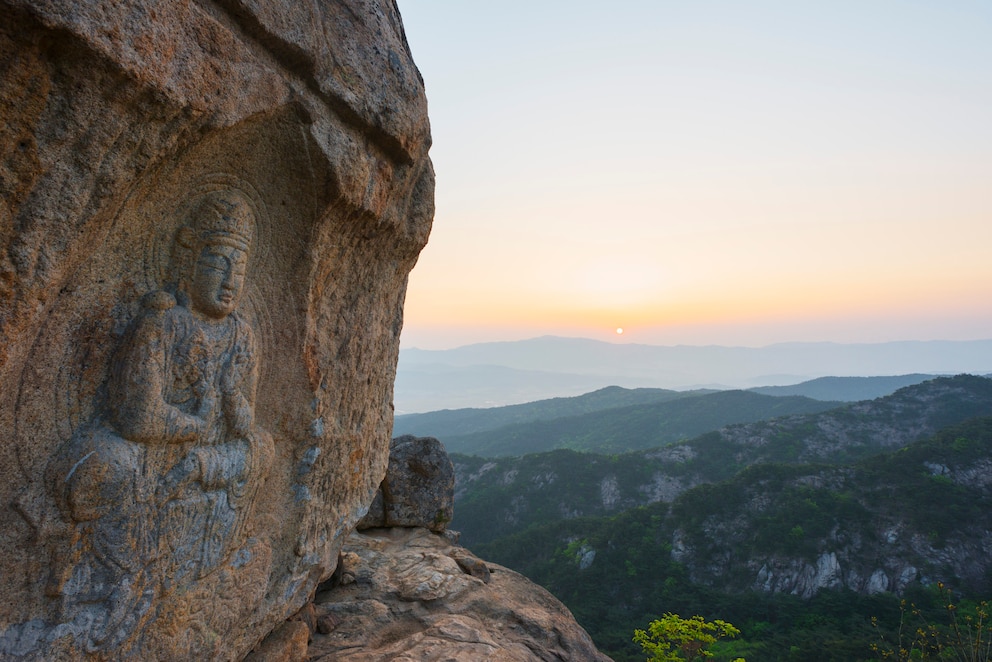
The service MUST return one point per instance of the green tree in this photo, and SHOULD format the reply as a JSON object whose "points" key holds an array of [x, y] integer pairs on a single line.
{"points": [[675, 639]]}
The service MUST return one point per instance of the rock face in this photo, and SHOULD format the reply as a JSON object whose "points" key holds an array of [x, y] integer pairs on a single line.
{"points": [[406, 593], [419, 487], [208, 214]]}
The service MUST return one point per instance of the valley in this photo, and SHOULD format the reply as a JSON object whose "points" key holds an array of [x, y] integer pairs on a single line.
{"points": [[831, 515]]}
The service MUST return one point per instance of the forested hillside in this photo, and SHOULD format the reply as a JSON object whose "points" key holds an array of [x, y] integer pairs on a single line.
{"points": [[800, 557], [635, 427], [846, 389], [495, 497], [456, 426], [797, 529]]}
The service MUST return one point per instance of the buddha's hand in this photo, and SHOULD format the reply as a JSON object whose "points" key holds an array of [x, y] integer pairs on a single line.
{"points": [[229, 378], [207, 397], [183, 473]]}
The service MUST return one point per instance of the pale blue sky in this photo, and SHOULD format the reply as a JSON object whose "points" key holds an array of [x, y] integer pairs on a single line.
{"points": [[705, 172]]}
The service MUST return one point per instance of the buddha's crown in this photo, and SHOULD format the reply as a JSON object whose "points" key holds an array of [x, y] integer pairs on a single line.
{"points": [[224, 217]]}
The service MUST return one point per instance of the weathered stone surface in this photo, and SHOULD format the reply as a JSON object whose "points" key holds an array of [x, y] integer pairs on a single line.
{"points": [[288, 643], [409, 597], [419, 487], [208, 211]]}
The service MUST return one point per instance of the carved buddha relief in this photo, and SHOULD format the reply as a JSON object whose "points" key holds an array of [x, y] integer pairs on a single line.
{"points": [[160, 487]]}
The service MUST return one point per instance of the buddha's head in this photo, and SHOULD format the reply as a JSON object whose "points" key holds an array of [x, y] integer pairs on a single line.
{"points": [[218, 239]]}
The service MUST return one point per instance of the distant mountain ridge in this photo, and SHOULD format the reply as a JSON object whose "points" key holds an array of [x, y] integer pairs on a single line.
{"points": [[495, 497], [438, 386], [846, 389], [453, 422], [488, 374], [633, 427]]}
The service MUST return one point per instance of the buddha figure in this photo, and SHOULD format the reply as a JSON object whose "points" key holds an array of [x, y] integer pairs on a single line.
{"points": [[162, 484]]}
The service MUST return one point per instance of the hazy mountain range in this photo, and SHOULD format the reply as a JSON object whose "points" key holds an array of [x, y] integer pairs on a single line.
{"points": [[504, 373], [619, 429]]}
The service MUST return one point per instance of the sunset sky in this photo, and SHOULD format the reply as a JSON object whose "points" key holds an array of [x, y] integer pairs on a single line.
{"points": [[703, 172]]}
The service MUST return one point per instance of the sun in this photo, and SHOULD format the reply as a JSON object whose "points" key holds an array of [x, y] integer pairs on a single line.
{"points": [[619, 330]]}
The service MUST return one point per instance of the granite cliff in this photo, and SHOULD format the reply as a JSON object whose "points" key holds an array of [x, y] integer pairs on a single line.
{"points": [[209, 210]]}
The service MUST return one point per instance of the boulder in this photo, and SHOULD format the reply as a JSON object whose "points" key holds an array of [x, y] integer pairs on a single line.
{"points": [[419, 487], [208, 212], [407, 593]]}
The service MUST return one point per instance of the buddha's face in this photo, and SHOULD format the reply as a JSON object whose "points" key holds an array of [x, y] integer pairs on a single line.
{"points": [[218, 280]]}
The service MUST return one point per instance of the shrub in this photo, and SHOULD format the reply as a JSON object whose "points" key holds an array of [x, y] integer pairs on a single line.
{"points": [[673, 638]]}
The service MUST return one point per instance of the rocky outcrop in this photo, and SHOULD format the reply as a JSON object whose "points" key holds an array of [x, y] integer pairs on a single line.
{"points": [[916, 517], [407, 593], [418, 489], [208, 212]]}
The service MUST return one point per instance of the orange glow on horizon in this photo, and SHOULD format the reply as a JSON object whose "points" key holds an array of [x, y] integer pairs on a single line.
{"points": [[798, 301]]}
